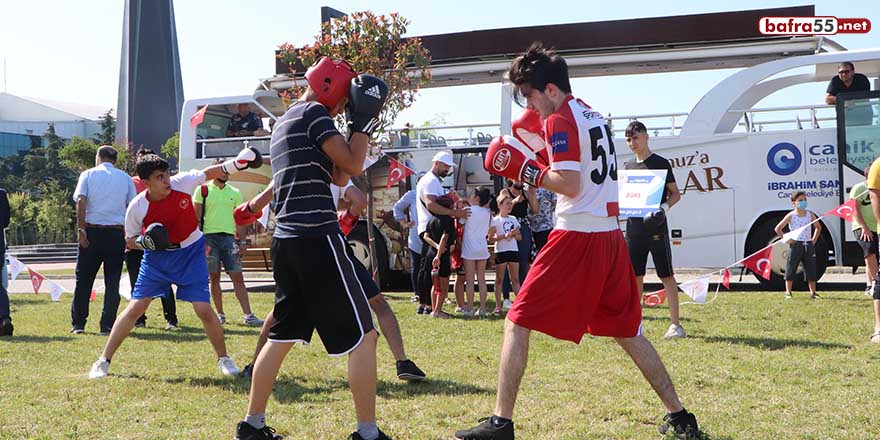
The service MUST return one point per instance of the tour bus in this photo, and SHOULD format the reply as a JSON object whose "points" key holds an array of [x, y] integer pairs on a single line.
{"points": [[736, 165]]}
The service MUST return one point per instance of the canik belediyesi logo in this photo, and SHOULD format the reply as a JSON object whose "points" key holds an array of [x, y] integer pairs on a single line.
{"points": [[784, 158]]}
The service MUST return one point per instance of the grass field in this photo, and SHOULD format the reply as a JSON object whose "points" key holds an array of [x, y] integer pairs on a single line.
{"points": [[755, 366]]}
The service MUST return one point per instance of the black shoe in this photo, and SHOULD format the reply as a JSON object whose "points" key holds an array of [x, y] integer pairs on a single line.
{"points": [[356, 436], [6, 329], [77, 330], [407, 370], [248, 371], [684, 427], [244, 431], [486, 430], [105, 331]]}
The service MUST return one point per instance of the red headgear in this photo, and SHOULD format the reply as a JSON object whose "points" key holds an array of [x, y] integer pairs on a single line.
{"points": [[330, 80]]}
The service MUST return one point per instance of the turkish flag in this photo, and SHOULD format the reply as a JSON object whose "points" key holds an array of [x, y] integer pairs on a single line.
{"points": [[397, 172], [36, 280], [845, 211], [759, 262], [654, 298], [725, 278], [197, 118]]}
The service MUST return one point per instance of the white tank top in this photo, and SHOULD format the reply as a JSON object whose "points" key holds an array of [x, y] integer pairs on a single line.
{"points": [[798, 221], [476, 227]]}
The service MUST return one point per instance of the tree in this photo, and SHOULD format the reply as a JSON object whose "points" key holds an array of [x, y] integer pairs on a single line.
{"points": [[78, 154], [107, 136], [171, 149], [55, 212], [375, 45], [371, 44]]}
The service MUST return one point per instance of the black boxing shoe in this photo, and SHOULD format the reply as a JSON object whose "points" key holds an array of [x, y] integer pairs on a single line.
{"points": [[682, 427], [244, 431], [487, 430]]}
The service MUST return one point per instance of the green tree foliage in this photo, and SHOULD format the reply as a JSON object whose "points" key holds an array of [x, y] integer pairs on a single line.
{"points": [[107, 136], [55, 210], [171, 149], [78, 154], [372, 44]]}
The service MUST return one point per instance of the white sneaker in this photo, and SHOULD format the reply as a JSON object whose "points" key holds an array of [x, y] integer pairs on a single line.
{"points": [[99, 369], [252, 320], [675, 331], [227, 366], [506, 305], [222, 318]]}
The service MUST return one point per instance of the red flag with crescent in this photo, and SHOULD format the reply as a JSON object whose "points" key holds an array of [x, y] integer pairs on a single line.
{"points": [[725, 278], [396, 172], [36, 280], [197, 118], [759, 263], [654, 298], [845, 211]]}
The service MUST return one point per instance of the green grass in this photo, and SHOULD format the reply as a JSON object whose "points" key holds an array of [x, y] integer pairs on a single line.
{"points": [[755, 366]]}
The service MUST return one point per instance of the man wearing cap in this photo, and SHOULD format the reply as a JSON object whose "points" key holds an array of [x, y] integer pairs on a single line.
{"points": [[428, 189]]}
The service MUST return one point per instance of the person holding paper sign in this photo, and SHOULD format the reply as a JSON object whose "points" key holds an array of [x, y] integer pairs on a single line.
{"points": [[651, 233]]}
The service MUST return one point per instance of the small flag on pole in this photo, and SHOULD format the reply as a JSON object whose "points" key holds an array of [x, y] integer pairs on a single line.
{"points": [[654, 298], [198, 117], [396, 173]]}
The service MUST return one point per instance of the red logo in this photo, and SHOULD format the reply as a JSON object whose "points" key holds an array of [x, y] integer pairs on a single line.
{"points": [[184, 203], [501, 160]]}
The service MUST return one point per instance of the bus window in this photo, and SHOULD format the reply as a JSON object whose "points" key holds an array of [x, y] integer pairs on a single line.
{"points": [[858, 129], [214, 126]]}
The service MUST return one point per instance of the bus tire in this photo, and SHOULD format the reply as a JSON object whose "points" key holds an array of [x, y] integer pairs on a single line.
{"points": [[763, 234], [360, 246]]}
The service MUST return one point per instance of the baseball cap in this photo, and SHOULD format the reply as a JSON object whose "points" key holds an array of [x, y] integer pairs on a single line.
{"points": [[444, 157]]}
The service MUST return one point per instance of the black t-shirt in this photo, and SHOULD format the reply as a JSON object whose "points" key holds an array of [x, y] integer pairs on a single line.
{"points": [[654, 162], [860, 84], [439, 225], [303, 202]]}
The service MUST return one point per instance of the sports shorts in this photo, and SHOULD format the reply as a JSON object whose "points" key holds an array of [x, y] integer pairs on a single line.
{"points": [[640, 242], [868, 247], [580, 283], [507, 257], [318, 288], [185, 267], [801, 252], [221, 248]]}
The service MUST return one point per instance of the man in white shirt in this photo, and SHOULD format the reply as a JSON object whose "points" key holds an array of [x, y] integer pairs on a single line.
{"points": [[428, 189]]}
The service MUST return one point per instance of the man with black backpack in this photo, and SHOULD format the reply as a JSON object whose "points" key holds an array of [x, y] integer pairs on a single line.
{"points": [[214, 203]]}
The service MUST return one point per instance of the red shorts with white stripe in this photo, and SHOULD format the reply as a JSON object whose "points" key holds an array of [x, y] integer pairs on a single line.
{"points": [[580, 283]]}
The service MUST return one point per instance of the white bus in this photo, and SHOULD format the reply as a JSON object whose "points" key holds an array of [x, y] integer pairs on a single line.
{"points": [[737, 165]]}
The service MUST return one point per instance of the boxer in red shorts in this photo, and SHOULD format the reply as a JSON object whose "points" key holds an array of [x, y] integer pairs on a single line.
{"points": [[582, 281]]}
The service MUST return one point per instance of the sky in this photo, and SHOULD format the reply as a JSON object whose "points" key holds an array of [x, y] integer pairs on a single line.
{"points": [[70, 50]]}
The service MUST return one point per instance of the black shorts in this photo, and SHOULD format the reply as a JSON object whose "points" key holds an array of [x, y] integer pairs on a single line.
{"points": [[868, 247], [800, 252], [507, 257], [318, 288], [366, 279], [641, 242]]}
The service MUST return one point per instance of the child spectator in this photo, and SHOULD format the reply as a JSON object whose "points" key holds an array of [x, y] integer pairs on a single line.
{"points": [[504, 232], [440, 236], [475, 248], [803, 248], [455, 256]]}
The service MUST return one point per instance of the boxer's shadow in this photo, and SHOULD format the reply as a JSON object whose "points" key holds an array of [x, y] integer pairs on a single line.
{"points": [[30, 339], [433, 387], [773, 344]]}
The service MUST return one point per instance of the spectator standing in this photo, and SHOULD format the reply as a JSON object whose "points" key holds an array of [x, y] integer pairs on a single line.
{"points": [[865, 228], [475, 248], [102, 194], [505, 232], [215, 213], [541, 222], [406, 213], [6, 327], [521, 210]]}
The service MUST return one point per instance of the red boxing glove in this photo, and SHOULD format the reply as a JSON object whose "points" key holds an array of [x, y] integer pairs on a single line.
{"points": [[243, 215], [347, 222], [528, 128], [508, 157]]}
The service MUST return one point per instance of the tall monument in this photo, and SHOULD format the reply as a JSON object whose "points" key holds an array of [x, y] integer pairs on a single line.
{"points": [[150, 86]]}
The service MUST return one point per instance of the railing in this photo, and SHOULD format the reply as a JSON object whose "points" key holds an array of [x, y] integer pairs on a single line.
{"points": [[229, 147], [27, 235], [439, 136]]}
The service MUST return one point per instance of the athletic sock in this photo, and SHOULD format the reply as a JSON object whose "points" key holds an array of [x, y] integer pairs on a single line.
{"points": [[102, 358], [258, 421], [499, 421], [368, 430]]}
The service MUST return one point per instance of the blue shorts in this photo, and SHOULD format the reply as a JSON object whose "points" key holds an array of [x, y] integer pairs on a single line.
{"points": [[186, 268]]}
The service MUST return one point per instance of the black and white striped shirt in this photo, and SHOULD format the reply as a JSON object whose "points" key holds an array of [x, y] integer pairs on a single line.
{"points": [[302, 172]]}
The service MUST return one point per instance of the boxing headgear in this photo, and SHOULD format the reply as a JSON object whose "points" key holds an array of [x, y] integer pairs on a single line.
{"points": [[330, 79]]}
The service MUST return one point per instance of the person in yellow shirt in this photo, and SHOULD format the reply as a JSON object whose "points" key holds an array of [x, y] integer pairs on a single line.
{"points": [[864, 228], [874, 194], [215, 217]]}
